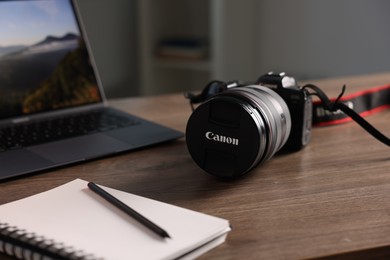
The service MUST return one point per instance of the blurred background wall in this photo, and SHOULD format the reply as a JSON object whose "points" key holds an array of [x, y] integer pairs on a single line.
{"points": [[111, 29], [316, 39], [305, 38]]}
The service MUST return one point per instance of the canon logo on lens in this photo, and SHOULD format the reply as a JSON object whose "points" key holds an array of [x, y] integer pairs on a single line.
{"points": [[221, 138]]}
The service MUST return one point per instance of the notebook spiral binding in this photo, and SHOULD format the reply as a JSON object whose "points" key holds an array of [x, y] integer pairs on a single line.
{"points": [[22, 244]]}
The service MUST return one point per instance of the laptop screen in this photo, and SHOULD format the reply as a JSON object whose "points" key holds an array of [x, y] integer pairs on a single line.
{"points": [[44, 62]]}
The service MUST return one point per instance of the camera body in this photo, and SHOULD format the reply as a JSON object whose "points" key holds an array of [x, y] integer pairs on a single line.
{"points": [[243, 126], [299, 104]]}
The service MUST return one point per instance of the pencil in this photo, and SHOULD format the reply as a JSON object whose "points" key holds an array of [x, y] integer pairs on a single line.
{"points": [[129, 211]]}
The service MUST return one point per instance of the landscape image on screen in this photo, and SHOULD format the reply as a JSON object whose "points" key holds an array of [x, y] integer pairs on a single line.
{"points": [[44, 63]]}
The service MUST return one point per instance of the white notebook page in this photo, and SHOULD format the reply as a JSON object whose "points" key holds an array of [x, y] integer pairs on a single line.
{"points": [[76, 216]]}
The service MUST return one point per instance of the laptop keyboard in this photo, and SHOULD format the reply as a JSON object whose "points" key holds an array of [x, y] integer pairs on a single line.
{"points": [[33, 133]]}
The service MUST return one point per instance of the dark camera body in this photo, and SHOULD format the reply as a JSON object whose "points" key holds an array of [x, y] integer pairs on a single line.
{"points": [[245, 125], [300, 105]]}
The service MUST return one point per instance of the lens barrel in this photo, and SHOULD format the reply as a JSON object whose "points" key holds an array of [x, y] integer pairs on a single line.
{"points": [[236, 130]]}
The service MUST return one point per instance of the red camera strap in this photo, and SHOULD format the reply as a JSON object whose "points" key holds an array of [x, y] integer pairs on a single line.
{"points": [[364, 103]]}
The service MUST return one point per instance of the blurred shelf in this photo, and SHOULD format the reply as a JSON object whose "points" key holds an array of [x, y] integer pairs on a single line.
{"points": [[215, 33], [196, 65]]}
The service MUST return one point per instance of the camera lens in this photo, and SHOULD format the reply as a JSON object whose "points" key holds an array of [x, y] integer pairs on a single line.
{"points": [[238, 129]]}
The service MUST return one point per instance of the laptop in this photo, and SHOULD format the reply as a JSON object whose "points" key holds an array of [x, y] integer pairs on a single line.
{"points": [[53, 110]]}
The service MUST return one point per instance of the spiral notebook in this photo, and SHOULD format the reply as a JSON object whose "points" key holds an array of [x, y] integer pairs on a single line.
{"points": [[71, 222]]}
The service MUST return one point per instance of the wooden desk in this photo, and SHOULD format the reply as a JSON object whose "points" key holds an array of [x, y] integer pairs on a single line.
{"points": [[331, 198]]}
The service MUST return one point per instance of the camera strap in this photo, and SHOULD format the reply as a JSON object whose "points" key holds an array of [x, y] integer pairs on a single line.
{"points": [[364, 103], [329, 111]]}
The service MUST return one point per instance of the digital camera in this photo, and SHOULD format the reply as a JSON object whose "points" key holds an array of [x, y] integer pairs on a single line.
{"points": [[244, 125]]}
